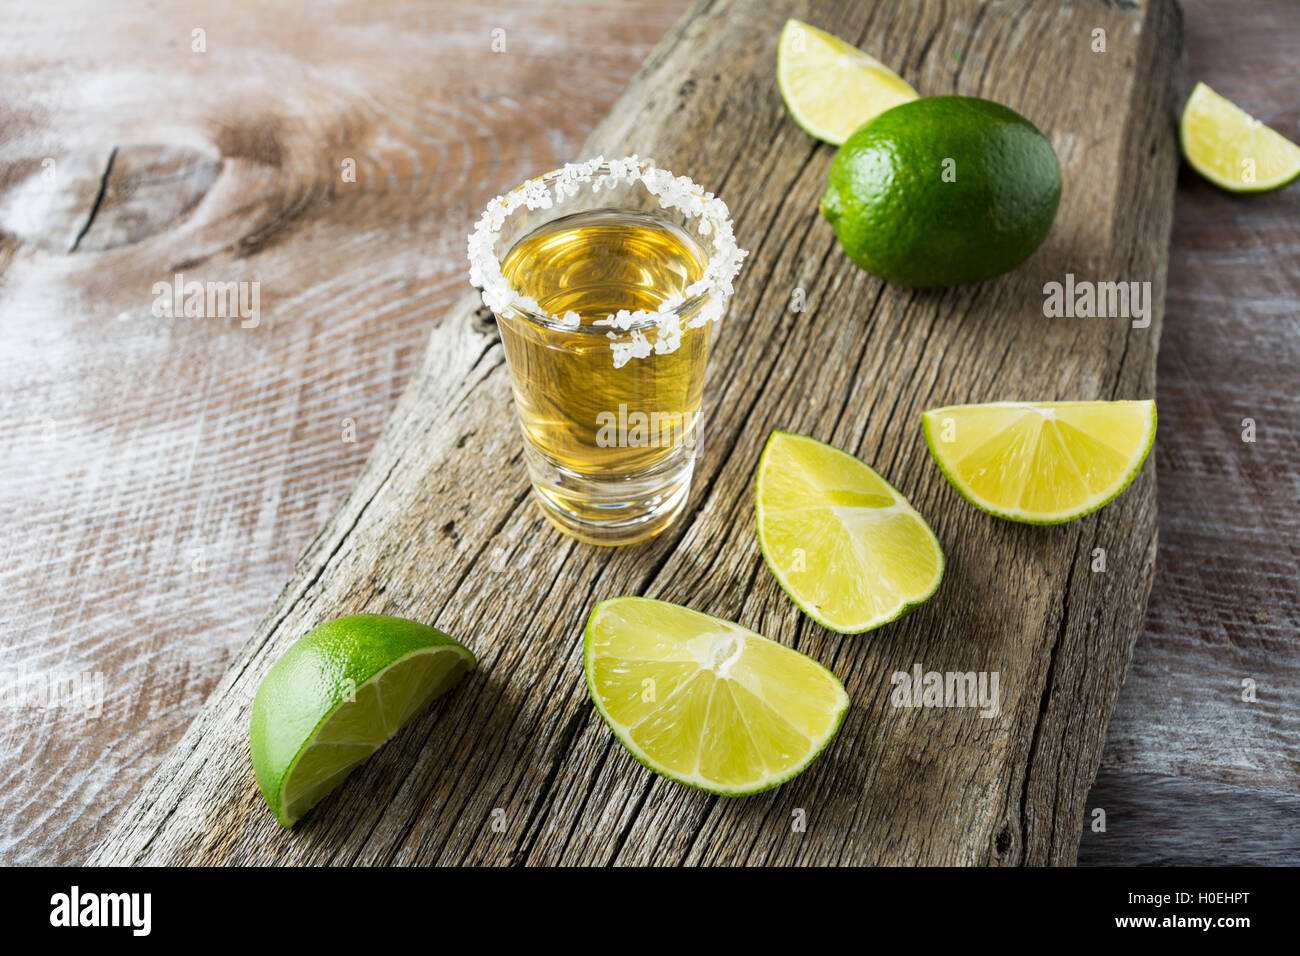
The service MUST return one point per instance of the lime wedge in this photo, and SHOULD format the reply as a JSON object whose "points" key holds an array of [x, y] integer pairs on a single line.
{"points": [[706, 702], [1038, 462], [1231, 148], [830, 87], [336, 696], [842, 541]]}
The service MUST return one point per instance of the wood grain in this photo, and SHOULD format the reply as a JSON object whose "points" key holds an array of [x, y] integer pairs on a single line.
{"points": [[1192, 772], [161, 476], [433, 531], [1188, 767]]}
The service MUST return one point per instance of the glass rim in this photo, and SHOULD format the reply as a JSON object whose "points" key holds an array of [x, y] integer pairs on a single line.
{"points": [[703, 301]]}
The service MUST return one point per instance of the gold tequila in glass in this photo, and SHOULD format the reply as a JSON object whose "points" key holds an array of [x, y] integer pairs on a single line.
{"points": [[606, 303]]}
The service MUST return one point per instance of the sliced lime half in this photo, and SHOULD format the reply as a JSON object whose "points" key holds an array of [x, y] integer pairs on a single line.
{"points": [[830, 87], [844, 543], [1231, 148], [706, 702], [336, 696], [1041, 462]]}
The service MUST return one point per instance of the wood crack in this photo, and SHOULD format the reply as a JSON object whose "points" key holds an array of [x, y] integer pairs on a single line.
{"points": [[99, 201], [567, 737]]}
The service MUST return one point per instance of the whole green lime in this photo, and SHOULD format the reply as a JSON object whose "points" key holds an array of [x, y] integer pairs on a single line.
{"points": [[943, 190]]}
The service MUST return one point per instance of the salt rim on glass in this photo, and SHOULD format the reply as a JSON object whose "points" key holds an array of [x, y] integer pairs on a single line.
{"points": [[673, 192]]}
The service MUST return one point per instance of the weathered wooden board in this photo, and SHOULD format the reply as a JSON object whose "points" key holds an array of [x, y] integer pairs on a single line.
{"points": [[93, 546], [163, 475], [440, 528], [1192, 772]]}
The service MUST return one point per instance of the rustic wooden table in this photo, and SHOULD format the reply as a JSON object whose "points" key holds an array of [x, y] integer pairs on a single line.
{"points": [[161, 478]]}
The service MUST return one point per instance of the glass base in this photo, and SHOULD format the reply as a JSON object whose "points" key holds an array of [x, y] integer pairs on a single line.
{"points": [[614, 511]]}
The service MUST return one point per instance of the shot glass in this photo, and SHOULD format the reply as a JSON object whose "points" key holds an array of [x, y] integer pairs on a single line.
{"points": [[607, 279]]}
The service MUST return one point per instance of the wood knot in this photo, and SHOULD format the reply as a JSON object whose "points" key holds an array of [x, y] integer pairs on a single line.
{"points": [[1002, 843], [98, 199]]}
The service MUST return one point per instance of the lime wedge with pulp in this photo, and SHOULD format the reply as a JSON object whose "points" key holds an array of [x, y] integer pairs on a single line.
{"points": [[1041, 462], [706, 702], [844, 544], [830, 87], [1231, 148], [336, 696]]}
